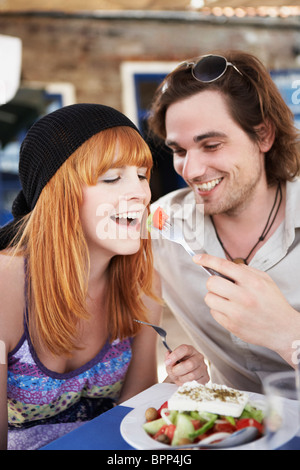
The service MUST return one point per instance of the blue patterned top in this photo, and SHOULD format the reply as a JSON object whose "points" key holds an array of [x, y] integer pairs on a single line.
{"points": [[39, 396]]}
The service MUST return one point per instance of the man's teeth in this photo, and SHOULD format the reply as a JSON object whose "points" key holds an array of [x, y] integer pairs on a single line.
{"points": [[128, 215], [209, 185]]}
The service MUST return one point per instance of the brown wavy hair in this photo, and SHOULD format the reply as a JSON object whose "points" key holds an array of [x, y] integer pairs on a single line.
{"points": [[52, 241], [252, 99]]}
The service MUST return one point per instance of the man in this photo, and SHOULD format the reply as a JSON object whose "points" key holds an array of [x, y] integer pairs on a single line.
{"points": [[233, 141]]}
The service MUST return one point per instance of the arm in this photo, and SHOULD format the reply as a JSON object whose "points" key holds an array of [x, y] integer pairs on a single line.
{"points": [[11, 326], [252, 308]]}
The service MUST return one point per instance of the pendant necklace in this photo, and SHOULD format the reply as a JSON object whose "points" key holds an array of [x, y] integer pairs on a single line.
{"points": [[265, 231]]}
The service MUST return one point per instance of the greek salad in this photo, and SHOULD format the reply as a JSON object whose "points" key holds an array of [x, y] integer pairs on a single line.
{"points": [[180, 426]]}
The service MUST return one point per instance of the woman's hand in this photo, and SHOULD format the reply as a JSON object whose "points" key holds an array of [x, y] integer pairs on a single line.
{"points": [[185, 364]]}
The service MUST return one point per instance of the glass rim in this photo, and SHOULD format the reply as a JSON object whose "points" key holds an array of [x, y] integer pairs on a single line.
{"points": [[269, 380]]}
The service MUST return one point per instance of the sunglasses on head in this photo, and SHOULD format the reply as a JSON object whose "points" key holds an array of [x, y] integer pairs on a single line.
{"points": [[210, 68]]}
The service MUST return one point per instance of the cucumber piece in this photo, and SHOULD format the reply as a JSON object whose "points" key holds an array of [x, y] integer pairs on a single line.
{"points": [[152, 427], [149, 222], [230, 420], [184, 427], [252, 412], [203, 415]]}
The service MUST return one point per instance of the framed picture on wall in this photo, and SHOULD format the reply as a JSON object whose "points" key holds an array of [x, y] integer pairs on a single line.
{"points": [[139, 83]]}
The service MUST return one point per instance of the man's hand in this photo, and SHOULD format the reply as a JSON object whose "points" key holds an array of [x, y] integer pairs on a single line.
{"points": [[252, 308]]}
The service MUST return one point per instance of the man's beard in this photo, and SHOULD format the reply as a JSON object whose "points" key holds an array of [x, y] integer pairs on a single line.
{"points": [[235, 200]]}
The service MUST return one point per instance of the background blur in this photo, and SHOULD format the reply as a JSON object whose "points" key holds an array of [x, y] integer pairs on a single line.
{"points": [[115, 52]]}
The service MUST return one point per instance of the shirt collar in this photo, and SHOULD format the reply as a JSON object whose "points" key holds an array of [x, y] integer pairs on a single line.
{"points": [[292, 208]]}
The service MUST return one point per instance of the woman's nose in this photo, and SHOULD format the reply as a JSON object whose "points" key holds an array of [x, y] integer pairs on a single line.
{"points": [[138, 189]]}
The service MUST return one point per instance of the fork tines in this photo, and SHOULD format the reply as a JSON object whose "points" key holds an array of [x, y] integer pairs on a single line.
{"points": [[167, 226]]}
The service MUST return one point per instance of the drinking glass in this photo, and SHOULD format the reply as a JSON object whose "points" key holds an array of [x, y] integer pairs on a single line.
{"points": [[282, 407]]}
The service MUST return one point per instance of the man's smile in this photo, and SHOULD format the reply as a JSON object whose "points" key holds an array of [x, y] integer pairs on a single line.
{"points": [[208, 185]]}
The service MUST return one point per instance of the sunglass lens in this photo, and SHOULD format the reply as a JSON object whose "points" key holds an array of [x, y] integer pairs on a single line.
{"points": [[209, 68]]}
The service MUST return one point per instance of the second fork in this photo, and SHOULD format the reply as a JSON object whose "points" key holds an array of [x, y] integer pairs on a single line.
{"points": [[162, 333]]}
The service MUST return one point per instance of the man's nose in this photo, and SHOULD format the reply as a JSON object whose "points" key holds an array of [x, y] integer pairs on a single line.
{"points": [[194, 166]]}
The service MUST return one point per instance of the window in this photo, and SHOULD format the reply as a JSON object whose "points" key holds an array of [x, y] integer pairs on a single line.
{"points": [[139, 82]]}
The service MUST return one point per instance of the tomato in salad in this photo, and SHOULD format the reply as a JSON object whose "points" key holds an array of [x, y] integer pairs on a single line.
{"points": [[164, 405], [245, 422]]}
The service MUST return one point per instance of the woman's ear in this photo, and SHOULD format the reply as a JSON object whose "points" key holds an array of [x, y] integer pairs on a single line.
{"points": [[266, 136]]}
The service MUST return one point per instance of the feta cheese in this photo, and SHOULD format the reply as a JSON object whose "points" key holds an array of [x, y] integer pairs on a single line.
{"points": [[212, 398]]}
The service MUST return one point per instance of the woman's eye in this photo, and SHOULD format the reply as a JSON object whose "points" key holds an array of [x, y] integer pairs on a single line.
{"points": [[111, 180], [142, 177]]}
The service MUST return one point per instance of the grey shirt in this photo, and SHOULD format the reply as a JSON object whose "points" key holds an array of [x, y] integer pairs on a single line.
{"points": [[233, 361]]}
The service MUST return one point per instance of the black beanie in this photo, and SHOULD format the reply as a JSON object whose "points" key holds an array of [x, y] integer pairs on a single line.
{"points": [[48, 144]]}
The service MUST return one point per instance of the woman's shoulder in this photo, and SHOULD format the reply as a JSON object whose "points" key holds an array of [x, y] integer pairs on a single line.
{"points": [[12, 298], [11, 270]]}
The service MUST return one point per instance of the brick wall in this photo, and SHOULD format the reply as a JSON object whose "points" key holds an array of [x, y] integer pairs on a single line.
{"points": [[88, 52]]}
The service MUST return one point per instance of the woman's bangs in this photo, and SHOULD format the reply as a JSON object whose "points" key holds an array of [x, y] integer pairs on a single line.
{"points": [[132, 149], [112, 148]]}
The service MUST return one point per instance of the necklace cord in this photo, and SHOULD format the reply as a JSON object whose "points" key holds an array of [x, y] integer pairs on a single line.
{"points": [[265, 231]]}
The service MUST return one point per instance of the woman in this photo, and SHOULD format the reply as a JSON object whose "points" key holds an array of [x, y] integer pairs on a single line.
{"points": [[75, 271]]}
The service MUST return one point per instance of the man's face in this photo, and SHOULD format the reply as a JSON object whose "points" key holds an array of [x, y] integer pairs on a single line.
{"points": [[216, 158]]}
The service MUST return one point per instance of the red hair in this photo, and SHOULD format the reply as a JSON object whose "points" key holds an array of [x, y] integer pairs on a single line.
{"points": [[54, 246]]}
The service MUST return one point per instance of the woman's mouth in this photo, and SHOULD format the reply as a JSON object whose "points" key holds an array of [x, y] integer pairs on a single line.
{"points": [[128, 219]]}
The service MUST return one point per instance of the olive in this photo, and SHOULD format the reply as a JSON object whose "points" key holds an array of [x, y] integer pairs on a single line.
{"points": [[151, 414], [163, 438]]}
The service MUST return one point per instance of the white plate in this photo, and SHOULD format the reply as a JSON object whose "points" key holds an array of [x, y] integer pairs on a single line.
{"points": [[134, 434]]}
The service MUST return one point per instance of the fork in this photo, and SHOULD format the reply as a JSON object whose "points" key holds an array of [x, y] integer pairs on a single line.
{"points": [[162, 333], [174, 234]]}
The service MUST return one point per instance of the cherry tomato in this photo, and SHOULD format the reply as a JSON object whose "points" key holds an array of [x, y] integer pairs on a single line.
{"points": [[164, 405], [245, 422], [224, 427], [196, 423], [160, 431], [169, 431]]}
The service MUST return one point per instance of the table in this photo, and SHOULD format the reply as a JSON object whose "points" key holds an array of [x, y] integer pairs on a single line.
{"points": [[103, 432]]}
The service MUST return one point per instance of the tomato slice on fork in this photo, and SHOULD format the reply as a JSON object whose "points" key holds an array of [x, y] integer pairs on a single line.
{"points": [[159, 218]]}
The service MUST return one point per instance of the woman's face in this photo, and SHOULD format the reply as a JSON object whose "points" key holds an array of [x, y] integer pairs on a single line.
{"points": [[112, 210]]}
